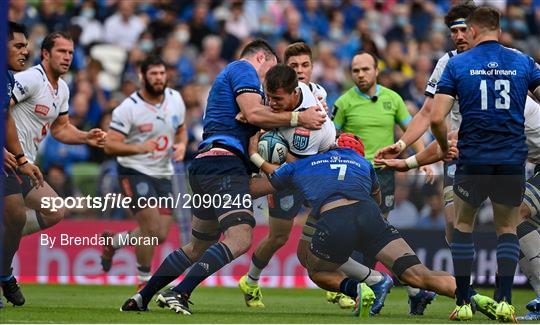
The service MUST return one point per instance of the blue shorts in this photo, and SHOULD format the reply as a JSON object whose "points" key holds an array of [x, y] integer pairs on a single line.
{"points": [[15, 183], [285, 204], [228, 178], [388, 187], [136, 185], [503, 184], [359, 226]]}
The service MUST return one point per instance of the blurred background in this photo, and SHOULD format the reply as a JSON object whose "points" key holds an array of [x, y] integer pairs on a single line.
{"points": [[198, 38]]}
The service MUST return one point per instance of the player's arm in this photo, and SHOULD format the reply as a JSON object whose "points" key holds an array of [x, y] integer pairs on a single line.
{"points": [[180, 143], [430, 155], [14, 156], [65, 132], [442, 106], [257, 114], [115, 145]]}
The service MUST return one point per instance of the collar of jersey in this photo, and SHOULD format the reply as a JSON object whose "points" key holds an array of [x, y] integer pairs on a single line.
{"points": [[366, 96]]}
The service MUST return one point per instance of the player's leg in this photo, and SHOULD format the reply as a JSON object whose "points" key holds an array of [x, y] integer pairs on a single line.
{"points": [[14, 220], [223, 176], [528, 232], [283, 207], [205, 232], [506, 195], [39, 217], [448, 197]]}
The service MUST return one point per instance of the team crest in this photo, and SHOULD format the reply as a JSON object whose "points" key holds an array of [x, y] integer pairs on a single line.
{"points": [[286, 203], [142, 188], [387, 106], [301, 138], [389, 200]]}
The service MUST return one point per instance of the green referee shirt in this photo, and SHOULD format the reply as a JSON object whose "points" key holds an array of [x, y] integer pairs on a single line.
{"points": [[373, 122]]}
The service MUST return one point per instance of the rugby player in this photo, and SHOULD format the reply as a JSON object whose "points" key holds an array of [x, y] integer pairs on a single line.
{"points": [[146, 131], [340, 186], [14, 211], [491, 83], [40, 103], [222, 169]]}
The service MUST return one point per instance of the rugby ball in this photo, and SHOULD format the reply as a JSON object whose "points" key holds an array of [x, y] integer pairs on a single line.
{"points": [[273, 147]]}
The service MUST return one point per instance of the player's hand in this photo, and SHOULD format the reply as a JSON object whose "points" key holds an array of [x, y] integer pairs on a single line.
{"points": [[33, 172], [148, 146], [430, 177], [453, 152], [96, 138], [323, 103], [9, 160], [389, 152], [253, 147], [397, 164], [313, 118], [179, 151], [241, 118]]}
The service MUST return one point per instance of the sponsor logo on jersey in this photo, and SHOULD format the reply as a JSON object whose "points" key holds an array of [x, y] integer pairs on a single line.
{"points": [[22, 90], [148, 127], [41, 110], [492, 65], [301, 138], [432, 83]]}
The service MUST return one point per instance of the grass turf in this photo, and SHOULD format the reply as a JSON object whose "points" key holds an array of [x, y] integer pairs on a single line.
{"points": [[100, 304]]}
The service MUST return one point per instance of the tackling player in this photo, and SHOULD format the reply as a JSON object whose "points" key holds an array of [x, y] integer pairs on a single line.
{"points": [[491, 82], [146, 130], [222, 169], [340, 186], [13, 170], [39, 103]]}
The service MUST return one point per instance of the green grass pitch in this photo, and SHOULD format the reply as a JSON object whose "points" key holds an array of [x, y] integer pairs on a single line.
{"points": [[100, 304]]}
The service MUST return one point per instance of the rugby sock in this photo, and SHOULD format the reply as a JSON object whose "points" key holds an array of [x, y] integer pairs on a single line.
{"points": [[143, 273], [172, 267], [360, 272], [119, 239], [507, 259], [462, 249], [412, 292], [349, 287], [6, 278], [34, 222], [529, 243], [255, 269], [215, 257]]}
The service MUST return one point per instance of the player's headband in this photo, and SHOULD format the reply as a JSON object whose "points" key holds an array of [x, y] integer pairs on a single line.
{"points": [[460, 22]]}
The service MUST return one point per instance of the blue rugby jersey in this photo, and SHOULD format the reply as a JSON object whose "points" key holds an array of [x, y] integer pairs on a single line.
{"points": [[220, 124], [329, 176], [490, 82]]}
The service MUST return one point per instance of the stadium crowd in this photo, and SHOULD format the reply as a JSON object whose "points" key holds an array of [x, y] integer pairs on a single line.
{"points": [[198, 38]]}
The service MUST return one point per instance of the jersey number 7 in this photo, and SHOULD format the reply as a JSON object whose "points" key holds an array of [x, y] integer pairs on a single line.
{"points": [[342, 170]]}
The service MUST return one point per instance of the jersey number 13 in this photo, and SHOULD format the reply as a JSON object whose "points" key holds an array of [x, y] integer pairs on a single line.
{"points": [[503, 87]]}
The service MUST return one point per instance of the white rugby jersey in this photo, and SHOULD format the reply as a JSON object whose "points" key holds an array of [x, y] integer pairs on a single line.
{"points": [[317, 90], [532, 129], [309, 142], [431, 88], [38, 105], [141, 121]]}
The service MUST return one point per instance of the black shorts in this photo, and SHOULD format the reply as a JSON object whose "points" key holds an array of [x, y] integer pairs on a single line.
{"points": [[138, 185], [15, 183], [388, 186], [285, 204], [359, 226], [531, 197], [503, 184], [227, 178]]}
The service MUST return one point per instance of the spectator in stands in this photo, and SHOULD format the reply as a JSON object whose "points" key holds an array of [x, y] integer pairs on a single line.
{"points": [[432, 214], [124, 27], [404, 215]]}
